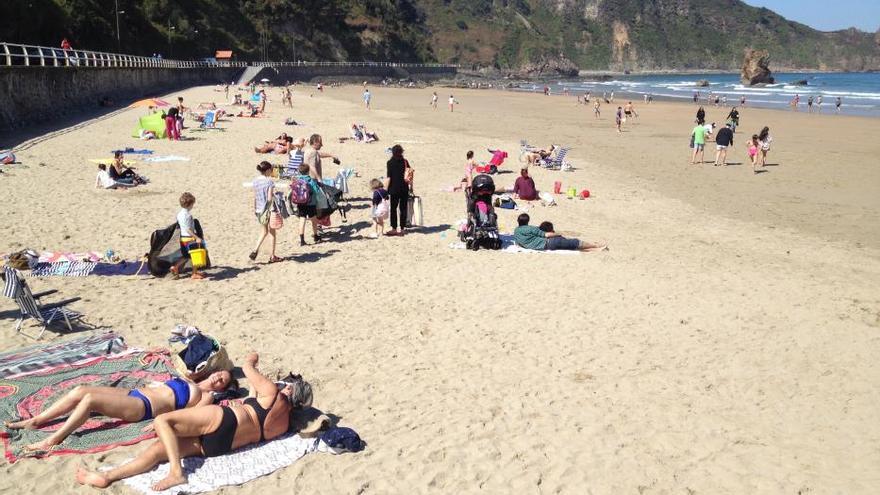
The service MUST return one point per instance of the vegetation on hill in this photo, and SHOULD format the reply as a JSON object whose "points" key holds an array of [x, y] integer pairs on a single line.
{"points": [[506, 34]]}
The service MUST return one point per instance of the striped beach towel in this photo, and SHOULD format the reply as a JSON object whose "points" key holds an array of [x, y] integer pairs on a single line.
{"points": [[43, 357], [63, 269]]}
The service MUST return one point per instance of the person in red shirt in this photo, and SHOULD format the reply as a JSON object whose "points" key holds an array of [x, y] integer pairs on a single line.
{"points": [[65, 45], [524, 187]]}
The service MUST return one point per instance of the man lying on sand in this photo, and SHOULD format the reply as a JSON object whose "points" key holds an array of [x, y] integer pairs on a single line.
{"points": [[213, 430], [530, 237], [128, 405]]}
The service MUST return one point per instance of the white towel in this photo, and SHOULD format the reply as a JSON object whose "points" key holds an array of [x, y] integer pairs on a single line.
{"points": [[236, 468], [509, 246], [166, 158]]}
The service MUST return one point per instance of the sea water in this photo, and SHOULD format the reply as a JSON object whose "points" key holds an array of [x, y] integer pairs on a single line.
{"points": [[859, 92]]}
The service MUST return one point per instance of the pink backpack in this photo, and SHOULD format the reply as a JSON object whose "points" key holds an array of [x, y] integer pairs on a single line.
{"points": [[300, 192]]}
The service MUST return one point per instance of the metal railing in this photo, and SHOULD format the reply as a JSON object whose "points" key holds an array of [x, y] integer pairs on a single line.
{"points": [[16, 55]]}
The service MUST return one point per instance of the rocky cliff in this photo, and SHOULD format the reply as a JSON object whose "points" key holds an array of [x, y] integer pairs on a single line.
{"points": [[520, 37]]}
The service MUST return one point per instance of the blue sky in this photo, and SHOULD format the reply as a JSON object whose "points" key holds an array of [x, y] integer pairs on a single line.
{"points": [[827, 15]]}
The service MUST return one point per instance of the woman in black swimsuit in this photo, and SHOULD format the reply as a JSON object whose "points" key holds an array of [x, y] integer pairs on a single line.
{"points": [[213, 430]]}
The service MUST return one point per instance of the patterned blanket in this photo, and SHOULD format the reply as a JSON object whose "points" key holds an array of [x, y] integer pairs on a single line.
{"points": [[27, 396], [56, 355], [236, 468]]}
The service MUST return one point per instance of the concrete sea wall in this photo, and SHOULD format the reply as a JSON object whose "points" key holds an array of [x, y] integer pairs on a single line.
{"points": [[30, 95]]}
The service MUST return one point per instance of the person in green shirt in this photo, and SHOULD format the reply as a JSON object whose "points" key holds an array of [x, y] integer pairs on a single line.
{"points": [[699, 134], [531, 237]]}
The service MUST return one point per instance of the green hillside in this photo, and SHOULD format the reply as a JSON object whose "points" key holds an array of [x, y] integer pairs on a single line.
{"points": [[593, 34]]}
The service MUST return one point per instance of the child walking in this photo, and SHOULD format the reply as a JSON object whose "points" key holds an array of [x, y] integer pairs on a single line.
{"points": [[264, 198], [753, 152], [380, 208], [187, 235]]}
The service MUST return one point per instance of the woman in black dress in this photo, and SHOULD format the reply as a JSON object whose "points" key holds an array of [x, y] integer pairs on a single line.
{"points": [[395, 184]]}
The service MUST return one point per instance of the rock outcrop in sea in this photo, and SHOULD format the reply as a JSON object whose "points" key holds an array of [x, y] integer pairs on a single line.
{"points": [[547, 66], [756, 67]]}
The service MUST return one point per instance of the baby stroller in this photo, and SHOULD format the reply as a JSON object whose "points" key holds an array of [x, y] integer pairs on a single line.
{"points": [[482, 222]]}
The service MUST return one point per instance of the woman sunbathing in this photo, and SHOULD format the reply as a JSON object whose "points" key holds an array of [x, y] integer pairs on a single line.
{"points": [[129, 405], [278, 146], [213, 430], [533, 156]]}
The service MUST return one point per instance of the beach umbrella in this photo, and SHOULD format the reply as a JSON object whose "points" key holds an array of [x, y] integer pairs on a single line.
{"points": [[149, 102]]}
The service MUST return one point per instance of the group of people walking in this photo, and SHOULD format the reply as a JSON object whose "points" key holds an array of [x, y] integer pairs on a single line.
{"points": [[758, 146]]}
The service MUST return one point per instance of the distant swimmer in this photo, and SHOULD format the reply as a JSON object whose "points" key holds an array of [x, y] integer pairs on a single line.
{"points": [[837, 105]]}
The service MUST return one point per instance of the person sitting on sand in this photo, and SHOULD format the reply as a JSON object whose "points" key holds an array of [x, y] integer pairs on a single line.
{"points": [[524, 187], [122, 174], [369, 137], [214, 430], [128, 405], [530, 237], [534, 156], [279, 146], [356, 133], [104, 180]]}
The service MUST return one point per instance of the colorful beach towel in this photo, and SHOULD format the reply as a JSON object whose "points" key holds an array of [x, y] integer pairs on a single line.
{"points": [[27, 396], [132, 151], [57, 355], [56, 256], [236, 468]]}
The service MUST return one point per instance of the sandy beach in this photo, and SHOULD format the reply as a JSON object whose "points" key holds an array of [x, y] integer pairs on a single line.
{"points": [[726, 343]]}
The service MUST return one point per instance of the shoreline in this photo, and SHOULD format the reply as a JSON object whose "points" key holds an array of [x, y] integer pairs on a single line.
{"points": [[724, 343]]}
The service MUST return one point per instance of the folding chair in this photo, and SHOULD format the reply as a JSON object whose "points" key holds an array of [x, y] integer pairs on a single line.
{"points": [[558, 162], [16, 288]]}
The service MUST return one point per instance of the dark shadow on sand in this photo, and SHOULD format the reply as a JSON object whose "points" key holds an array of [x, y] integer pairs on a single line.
{"points": [[226, 272], [311, 257], [434, 229]]}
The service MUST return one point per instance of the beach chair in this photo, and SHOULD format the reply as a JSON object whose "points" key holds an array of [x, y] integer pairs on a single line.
{"points": [[557, 162], [15, 287], [210, 121]]}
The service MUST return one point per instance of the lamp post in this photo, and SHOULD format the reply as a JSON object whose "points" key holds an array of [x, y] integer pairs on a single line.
{"points": [[170, 47], [118, 39]]}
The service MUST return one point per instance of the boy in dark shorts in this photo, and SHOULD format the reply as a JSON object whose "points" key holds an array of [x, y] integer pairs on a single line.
{"points": [[308, 211], [187, 235], [530, 237]]}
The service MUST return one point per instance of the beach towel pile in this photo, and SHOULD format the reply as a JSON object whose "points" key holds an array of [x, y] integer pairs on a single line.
{"points": [[26, 395]]}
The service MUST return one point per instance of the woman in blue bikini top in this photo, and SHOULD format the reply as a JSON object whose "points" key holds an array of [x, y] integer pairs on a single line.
{"points": [[214, 430], [128, 405]]}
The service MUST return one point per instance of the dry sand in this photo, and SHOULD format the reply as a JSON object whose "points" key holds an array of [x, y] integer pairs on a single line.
{"points": [[726, 343]]}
